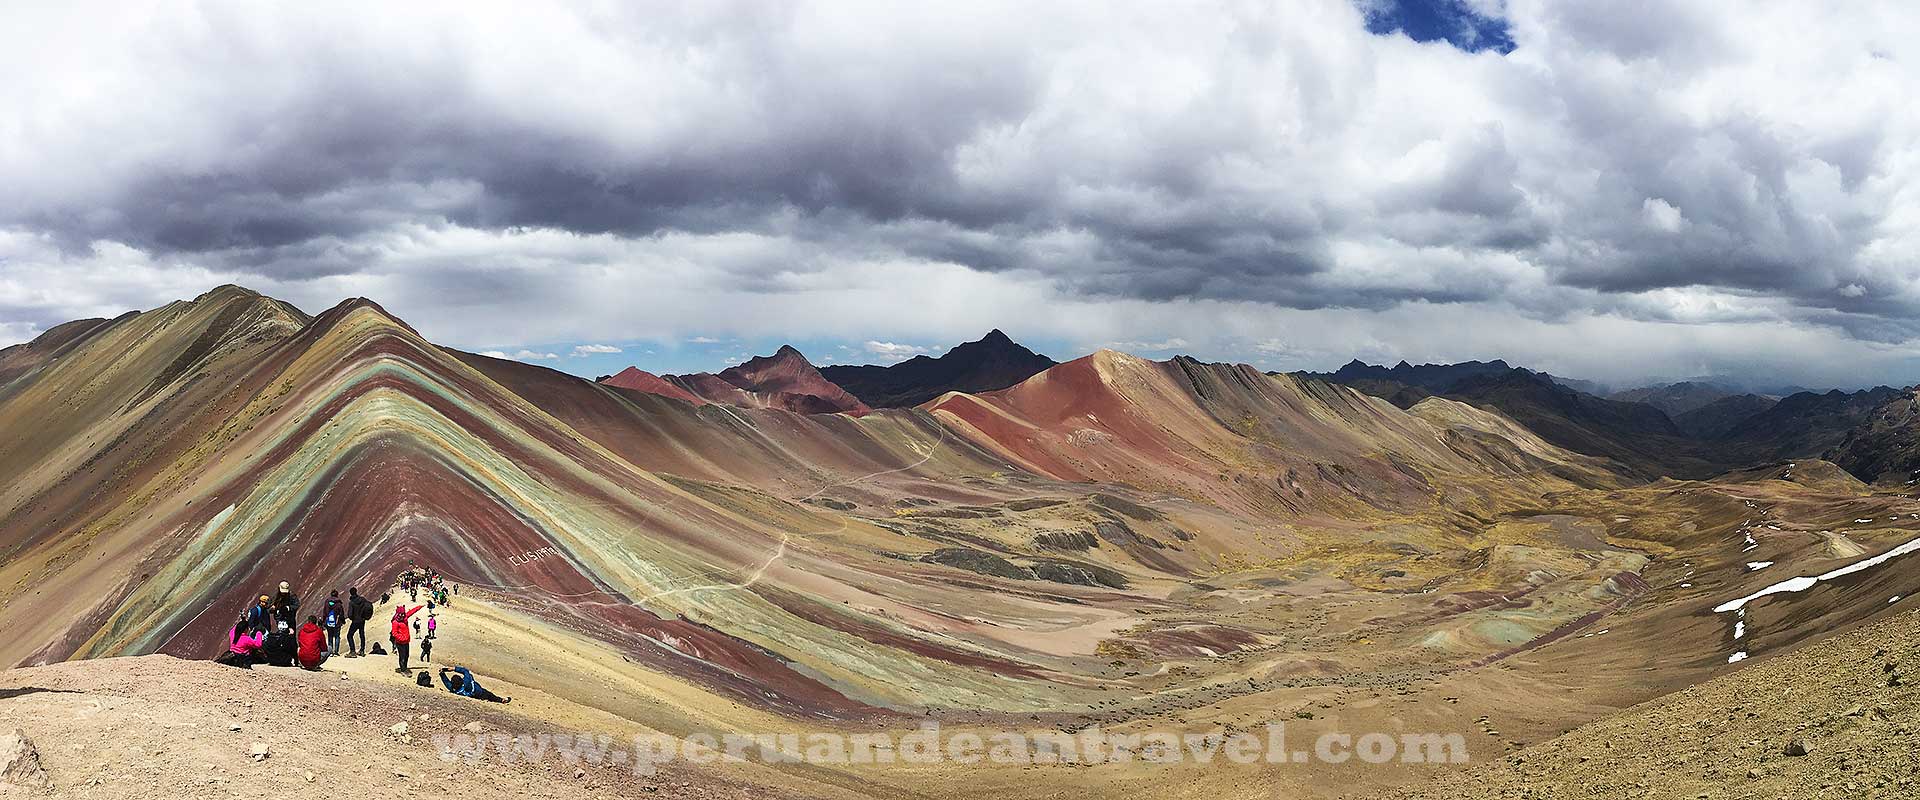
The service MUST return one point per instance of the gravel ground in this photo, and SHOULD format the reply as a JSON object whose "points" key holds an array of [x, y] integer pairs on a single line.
{"points": [[1847, 703]]}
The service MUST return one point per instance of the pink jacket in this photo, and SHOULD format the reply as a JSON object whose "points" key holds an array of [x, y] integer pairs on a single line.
{"points": [[244, 644]]}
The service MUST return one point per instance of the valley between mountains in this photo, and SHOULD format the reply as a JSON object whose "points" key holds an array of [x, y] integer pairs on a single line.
{"points": [[988, 540]]}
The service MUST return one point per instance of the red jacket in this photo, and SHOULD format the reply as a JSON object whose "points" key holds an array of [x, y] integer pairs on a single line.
{"points": [[403, 634], [313, 642]]}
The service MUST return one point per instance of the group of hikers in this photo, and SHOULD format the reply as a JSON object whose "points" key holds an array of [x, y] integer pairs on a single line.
{"points": [[266, 631]]}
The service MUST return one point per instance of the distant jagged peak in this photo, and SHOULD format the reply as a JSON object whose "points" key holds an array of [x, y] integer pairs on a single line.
{"points": [[788, 360]]}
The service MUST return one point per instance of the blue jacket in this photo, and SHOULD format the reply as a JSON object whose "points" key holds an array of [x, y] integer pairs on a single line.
{"points": [[467, 684]]}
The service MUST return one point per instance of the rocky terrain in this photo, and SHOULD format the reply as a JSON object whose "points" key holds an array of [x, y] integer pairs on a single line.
{"points": [[1836, 719], [1173, 546]]}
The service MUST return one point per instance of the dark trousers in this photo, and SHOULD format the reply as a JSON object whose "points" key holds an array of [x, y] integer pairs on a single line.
{"points": [[358, 628], [333, 639], [482, 694], [401, 649]]}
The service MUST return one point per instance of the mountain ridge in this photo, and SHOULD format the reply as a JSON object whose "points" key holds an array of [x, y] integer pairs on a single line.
{"points": [[989, 363]]}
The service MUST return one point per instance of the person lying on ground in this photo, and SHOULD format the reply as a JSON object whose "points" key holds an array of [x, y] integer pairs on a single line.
{"points": [[313, 644], [463, 684]]}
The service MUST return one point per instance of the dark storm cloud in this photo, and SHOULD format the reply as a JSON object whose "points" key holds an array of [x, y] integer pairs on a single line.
{"points": [[1677, 162]]}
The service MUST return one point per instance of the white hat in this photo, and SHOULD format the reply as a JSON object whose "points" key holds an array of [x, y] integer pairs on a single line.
{"points": [[284, 586]]}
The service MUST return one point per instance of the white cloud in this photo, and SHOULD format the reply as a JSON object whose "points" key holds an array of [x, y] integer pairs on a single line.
{"points": [[1662, 216], [530, 355], [1161, 346], [893, 351], [1222, 175], [583, 350]]}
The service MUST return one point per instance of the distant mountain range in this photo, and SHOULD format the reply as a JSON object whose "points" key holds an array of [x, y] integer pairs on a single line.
{"points": [[991, 363], [1687, 429], [1675, 398], [787, 380], [784, 380]]}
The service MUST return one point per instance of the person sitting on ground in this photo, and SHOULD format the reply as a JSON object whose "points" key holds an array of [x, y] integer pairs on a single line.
{"points": [[313, 644], [286, 606], [243, 644], [401, 635], [359, 610], [332, 617], [280, 648], [463, 684]]}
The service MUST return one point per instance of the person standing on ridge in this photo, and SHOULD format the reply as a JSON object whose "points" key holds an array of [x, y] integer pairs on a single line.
{"points": [[286, 606], [402, 636], [332, 617], [359, 610]]}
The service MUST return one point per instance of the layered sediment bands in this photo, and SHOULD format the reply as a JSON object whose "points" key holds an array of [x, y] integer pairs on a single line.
{"points": [[1111, 539], [1227, 434], [781, 452], [361, 448]]}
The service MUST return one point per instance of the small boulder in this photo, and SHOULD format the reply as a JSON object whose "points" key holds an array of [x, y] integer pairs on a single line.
{"points": [[258, 751], [474, 727], [398, 729], [20, 762], [1798, 747]]}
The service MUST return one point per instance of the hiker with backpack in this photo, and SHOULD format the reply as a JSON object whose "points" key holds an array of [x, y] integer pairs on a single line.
{"points": [[260, 615], [359, 610], [402, 635], [332, 617]]}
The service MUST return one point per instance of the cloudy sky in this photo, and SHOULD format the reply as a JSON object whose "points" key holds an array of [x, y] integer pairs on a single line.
{"points": [[1611, 190]]}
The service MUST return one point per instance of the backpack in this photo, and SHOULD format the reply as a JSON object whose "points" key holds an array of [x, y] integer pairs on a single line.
{"points": [[424, 679], [333, 613]]}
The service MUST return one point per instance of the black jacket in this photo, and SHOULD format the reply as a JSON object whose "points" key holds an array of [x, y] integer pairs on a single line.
{"points": [[280, 649], [360, 609], [286, 607]]}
